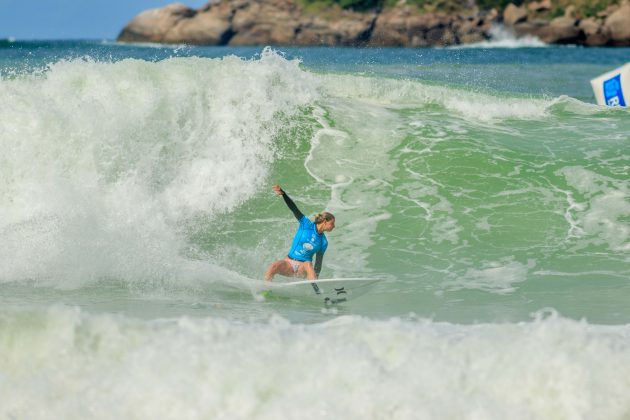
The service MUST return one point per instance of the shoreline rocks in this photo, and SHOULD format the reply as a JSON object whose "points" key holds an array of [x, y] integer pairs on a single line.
{"points": [[284, 22], [611, 27]]}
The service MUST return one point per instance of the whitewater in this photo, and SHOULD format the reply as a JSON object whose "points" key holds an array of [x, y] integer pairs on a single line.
{"points": [[136, 220]]}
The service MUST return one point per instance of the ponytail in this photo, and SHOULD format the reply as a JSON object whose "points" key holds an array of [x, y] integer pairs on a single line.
{"points": [[323, 217]]}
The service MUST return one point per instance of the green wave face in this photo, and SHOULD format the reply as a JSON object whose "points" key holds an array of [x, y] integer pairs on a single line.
{"points": [[474, 203]]}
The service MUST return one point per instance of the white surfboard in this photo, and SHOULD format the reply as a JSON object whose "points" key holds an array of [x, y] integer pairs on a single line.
{"points": [[327, 291]]}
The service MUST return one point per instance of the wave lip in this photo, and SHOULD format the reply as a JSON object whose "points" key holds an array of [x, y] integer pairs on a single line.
{"points": [[471, 105]]}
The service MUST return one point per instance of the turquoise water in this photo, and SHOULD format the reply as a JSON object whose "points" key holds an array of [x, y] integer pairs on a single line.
{"points": [[136, 219]]}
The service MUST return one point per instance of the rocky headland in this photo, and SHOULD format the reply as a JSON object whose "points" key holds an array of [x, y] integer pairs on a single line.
{"points": [[289, 22]]}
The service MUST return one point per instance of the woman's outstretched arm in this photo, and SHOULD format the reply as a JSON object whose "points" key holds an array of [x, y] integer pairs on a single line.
{"points": [[290, 204]]}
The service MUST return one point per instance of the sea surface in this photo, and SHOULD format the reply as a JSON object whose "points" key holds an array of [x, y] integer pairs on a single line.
{"points": [[482, 184]]}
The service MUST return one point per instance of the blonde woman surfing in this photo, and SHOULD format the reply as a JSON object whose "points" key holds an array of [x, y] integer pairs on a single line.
{"points": [[309, 241]]}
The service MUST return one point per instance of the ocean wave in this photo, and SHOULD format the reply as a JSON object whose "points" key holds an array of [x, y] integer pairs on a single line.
{"points": [[103, 163], [63, 363], [471, 105], [159, 172]]}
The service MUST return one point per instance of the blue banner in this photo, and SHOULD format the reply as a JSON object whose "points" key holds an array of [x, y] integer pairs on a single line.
{"points": [[613, 95]]}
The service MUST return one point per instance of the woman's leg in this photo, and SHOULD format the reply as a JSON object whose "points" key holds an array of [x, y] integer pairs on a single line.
{"points": [[306, 270], [282, 267]]}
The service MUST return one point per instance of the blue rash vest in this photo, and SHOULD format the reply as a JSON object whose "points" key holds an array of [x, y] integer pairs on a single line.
{"points": [[307, 242]]}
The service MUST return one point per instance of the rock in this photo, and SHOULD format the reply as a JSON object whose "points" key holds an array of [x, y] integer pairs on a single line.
{"points": [[265, 22], [314, 31], [539, 6], [491, 16], [284, 22], [561, 30], [393, 28], [403, 27], [569, 11], [354, 30], [529, 28], [440, 36], [593, 32], [471, 30], [608, 11], [209, 27], [590, 26], [617, 25], [154, 24], [343, 29], [514, 14]]}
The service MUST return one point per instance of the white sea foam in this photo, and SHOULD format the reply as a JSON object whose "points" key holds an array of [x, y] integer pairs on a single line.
{"points": [[474, 106], [601, 216], [501, 37], [65, 364], [102, 163], [494, 276]]}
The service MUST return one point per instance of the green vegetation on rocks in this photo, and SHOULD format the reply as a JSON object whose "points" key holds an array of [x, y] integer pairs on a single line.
{"points": [[365, 5], [582, 8]]}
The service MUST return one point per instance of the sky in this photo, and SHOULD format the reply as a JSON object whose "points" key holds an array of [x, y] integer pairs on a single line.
{"points": [[73, 19]]}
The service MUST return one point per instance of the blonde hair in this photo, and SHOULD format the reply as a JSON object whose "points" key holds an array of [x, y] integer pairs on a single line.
{"points": [[323, 217]]}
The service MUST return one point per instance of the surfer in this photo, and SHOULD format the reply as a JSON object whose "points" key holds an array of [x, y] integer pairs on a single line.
{"points": [[309, 240]]}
